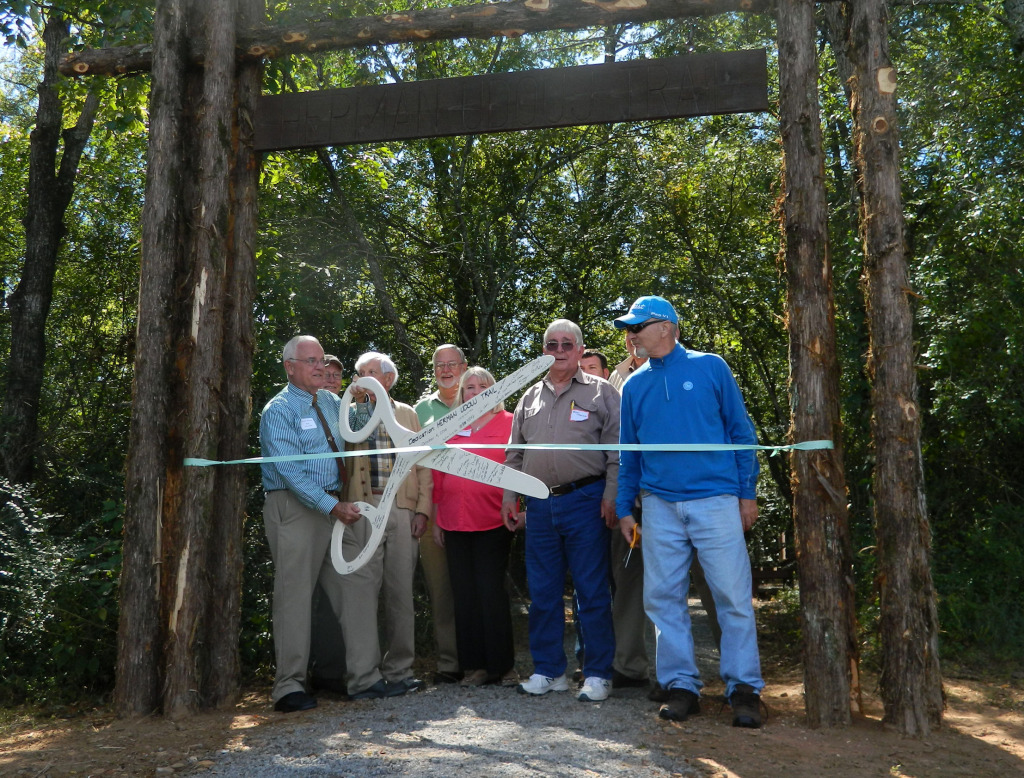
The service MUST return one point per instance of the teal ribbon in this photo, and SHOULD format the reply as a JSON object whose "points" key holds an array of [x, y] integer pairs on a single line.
{"points": [[808, 445]]}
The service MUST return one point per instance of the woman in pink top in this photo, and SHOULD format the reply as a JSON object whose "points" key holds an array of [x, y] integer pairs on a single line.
{"points": [[468, 525]]}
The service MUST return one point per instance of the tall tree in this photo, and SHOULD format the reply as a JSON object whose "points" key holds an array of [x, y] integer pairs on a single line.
{"points": [[827, 614], [50, 188], [176, 650], [911, 682]]}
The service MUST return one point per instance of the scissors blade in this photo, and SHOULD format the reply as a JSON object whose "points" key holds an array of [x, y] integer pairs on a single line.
{"points": [[377, 516], [477, 468], [436, 432], [459, 418]]}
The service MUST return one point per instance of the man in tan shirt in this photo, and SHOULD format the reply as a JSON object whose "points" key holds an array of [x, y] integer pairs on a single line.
{"points": [[569, 530]]}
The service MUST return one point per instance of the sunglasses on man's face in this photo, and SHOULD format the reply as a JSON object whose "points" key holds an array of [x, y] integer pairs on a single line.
{"points": [[553, 345], [635, 328]]}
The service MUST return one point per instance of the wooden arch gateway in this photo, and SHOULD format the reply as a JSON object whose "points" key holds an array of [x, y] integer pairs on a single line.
{"points": [[182, 570]]}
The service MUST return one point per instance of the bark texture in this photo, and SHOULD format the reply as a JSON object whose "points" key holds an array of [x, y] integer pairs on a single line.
{"points": [[50, 188], [148, 484], [911, 684], [223, 611], [177, 640], [486, 20], [820, 515]]}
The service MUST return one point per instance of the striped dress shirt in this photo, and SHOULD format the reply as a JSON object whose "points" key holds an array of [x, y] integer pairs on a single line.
{"points": [[289, 426]]}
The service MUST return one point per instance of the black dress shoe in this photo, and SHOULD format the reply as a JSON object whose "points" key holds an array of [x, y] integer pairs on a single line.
{"points": [[447, 676], [623, 681], [295, 701], [377, 691], [335, 685], [405, 686]]}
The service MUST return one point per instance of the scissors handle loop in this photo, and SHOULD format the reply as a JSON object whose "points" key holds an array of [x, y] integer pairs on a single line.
{"points": [[382, 413]]}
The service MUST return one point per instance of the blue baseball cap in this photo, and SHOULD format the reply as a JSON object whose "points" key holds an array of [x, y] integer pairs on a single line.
{"points": [[646, 308]]}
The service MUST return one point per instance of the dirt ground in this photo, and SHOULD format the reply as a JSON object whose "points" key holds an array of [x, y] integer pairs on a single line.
{"points": [[982, 734]]}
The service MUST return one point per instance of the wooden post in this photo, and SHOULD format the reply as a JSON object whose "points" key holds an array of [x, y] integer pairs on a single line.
{"points": [[177, 651], [911, 682], [828, 617]]}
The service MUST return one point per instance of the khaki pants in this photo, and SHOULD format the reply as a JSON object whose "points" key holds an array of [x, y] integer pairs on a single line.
{"points": [[389, 572], [435, 570], [300, 545], [628, 616]]}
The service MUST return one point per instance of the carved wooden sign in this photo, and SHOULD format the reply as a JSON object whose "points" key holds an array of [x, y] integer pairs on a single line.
{"points": [[686, 85]]}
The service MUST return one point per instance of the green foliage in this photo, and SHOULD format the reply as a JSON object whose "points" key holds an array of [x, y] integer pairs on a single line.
{"points": [[981, 587], [58, 602], [256, 642]]}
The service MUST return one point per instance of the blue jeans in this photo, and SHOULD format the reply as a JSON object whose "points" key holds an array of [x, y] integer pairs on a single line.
{"points": [[567, 532], [671, 532]]}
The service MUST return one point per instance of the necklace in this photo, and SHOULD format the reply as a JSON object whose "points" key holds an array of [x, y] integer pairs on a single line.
{"points": [[479, 424]]}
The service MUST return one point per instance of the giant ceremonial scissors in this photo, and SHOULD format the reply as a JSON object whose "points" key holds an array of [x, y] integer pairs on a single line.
{"points": [[420, 450]]}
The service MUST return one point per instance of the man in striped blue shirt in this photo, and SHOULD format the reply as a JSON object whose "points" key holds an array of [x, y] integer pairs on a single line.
{"points": [[303, 500]]}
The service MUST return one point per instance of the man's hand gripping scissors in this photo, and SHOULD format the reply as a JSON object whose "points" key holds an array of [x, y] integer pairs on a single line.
{"points": [[451, 460]]}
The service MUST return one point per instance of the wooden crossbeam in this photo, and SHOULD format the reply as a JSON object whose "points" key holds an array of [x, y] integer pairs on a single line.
{"points": [[510, 18], [687, 85]]}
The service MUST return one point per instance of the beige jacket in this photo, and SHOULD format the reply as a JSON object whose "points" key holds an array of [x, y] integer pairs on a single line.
{"points": [[415, 494]]}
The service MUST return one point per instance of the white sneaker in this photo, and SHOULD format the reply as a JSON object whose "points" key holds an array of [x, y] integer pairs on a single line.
{"points": [[541, 684], [595, 689]]}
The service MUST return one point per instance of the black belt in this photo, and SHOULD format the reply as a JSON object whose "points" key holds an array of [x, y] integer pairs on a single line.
{"points": [[572, 486], [333, 492]]}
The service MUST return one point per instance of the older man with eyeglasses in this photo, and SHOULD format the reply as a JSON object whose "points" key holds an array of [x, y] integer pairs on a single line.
{"points": [[303, 500], [449, 364], [389, 572], [569, 530]]}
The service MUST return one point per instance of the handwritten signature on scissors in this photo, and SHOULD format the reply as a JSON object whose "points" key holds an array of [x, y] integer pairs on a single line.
{"points": [[427, 450]]}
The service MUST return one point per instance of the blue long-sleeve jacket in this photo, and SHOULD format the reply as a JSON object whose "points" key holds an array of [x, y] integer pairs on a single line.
{"points": [[685, 397]]}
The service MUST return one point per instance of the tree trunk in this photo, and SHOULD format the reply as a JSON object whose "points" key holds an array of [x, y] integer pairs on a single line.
{"points": [[200, 353], [181, 579], [50, 188], [511, 18], [148, 489], [911, 684], [224, 610], [828, 617], [1014, 13]]}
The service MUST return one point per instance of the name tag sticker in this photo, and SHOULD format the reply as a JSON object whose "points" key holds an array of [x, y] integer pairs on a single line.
{"points": [[308, 424], [579, 415], [466, 432]]}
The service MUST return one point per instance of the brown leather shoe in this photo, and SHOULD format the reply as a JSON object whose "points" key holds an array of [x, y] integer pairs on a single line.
{"points": [[474, 678]]}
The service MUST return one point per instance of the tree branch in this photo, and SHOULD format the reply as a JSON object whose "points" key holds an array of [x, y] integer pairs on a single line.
{"points": [[510, 18]]}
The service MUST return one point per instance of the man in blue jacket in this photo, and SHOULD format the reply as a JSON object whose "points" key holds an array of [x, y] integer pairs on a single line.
{"points": [[693, 501]]}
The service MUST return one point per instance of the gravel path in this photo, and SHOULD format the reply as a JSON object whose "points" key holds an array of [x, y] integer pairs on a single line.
{"points": [[449, 730]]}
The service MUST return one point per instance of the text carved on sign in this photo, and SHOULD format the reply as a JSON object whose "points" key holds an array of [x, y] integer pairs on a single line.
{"points": [[687, 85]]}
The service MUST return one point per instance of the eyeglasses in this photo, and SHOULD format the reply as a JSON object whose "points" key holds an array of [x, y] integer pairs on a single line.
{"points": [[333, 375], [635, 328], [448, 365], [554, 345], [311, 361]]}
